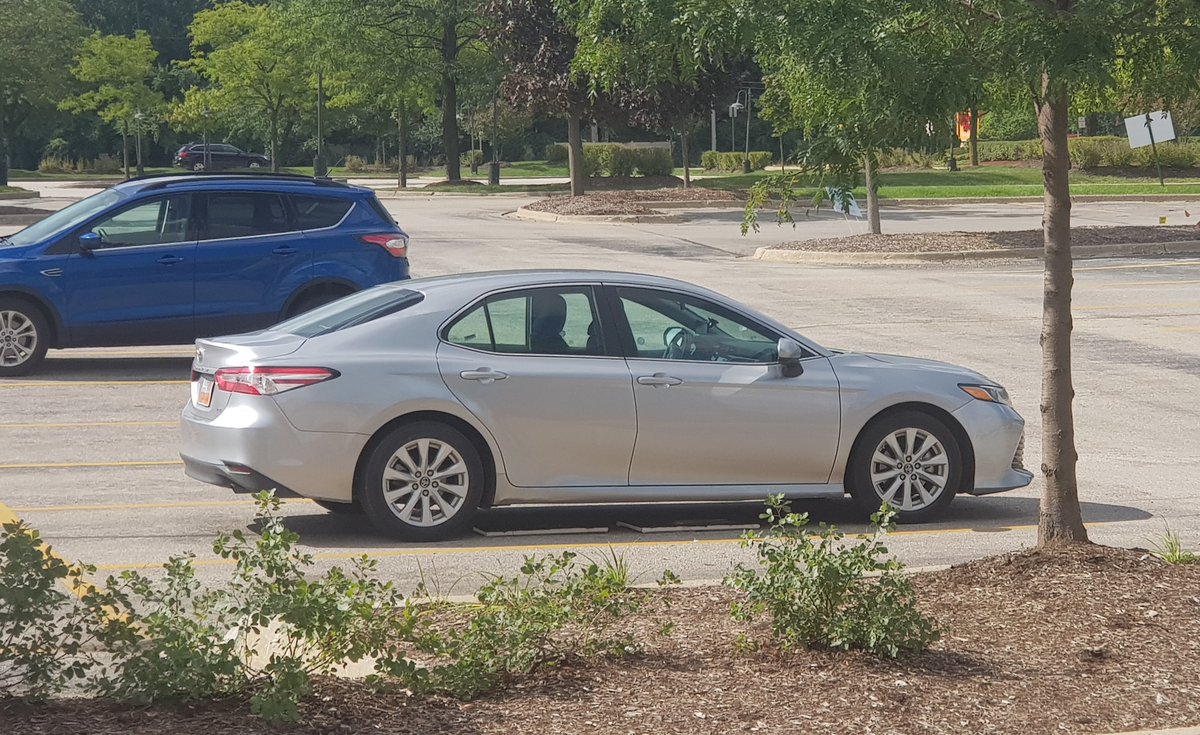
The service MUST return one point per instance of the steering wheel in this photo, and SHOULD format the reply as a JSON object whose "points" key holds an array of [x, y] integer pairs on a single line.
{"points": [[680, 345], [103, 235]]}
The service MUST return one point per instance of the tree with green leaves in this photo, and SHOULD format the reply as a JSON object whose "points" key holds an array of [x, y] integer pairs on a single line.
{"points": [[251, 61], [117, 71], [37, 40]]}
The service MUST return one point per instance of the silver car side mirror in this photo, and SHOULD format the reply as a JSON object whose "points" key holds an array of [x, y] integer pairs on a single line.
{"points": [[790, 352]]}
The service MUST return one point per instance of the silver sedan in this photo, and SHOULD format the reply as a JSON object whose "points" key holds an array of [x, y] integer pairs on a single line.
{"points": [[423, 401]]}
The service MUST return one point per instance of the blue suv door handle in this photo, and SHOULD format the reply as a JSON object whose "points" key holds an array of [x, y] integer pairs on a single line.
{"points": [[170, 259], [285, 250]]}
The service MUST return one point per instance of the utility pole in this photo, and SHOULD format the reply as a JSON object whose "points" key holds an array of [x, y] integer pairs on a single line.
{"points": [[712, 111], [746, 156], [138, 117], [207, 156], [320, 170]]}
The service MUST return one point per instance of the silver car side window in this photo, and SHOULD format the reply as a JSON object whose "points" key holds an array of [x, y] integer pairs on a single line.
{"points": [[544, 321], [672, 326]]}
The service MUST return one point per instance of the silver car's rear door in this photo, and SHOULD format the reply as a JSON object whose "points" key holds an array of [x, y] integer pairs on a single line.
{"points": [[531, 365]]}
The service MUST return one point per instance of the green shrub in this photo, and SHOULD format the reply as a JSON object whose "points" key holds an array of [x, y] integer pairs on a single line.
{"points": [[1170, 549], [1010, 150], [654, 162], [56, 165], [732, 161], [46, 632], [816, 591], [555, 609], [899, 157], [557, 153], [356, 164], [472, 157], [1018, 123]]}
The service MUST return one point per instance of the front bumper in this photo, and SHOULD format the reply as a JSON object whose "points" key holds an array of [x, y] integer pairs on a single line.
{"points": [[247, 444], [997, 436]]}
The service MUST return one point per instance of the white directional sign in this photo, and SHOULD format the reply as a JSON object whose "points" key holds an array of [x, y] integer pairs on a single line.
{"points": [[1140, 127]]}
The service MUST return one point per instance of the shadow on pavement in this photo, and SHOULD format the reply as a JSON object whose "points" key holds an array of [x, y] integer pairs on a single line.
{"points": [[63, 367], [322, 529]]}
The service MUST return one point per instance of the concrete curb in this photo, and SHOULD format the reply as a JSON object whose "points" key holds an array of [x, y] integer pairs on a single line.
{"points": [[782, 255], [20, 194], [601, 219], [1038, 199], [22, 220]]}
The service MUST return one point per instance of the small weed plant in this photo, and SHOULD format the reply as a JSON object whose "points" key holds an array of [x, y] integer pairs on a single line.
{"points": [[1170, 549], [825, 590]]}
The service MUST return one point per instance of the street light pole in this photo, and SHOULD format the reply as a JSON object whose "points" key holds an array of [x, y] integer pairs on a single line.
{"points": [[138, 116], [749, 112], [319, 168], [206, 158]]}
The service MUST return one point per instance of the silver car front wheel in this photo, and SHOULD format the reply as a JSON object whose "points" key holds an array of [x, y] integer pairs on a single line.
{"points": [[909, 460], [423, 482]]}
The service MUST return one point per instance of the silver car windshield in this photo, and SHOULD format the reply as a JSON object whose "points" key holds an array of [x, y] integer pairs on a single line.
{"points": [[64, 219], [350, 311]]}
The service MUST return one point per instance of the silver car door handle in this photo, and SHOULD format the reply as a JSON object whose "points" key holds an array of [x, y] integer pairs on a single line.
{"points": [[658, 379], [483, 375]]}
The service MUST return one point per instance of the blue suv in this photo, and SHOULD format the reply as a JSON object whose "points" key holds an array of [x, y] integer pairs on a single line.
{"points": [[164, 260]]}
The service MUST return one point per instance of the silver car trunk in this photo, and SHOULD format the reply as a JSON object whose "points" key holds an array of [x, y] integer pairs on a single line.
{"points": [[243, 349]]}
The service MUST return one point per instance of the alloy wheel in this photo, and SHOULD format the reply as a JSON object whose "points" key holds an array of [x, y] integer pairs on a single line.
{"points": [[18, 338], [909, 469], [426, 482]]}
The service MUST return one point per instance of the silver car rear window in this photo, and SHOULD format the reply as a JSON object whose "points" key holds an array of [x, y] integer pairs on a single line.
{"points": [[350, 311]]}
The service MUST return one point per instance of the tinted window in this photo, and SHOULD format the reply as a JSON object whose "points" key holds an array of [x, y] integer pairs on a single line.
{"points": [[350, 311], [560, 321], [224, 149], [313, 213], [245, 214], [156, 222], [678, 327]]}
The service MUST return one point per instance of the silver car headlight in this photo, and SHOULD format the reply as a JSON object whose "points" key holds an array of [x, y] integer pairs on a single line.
{"points": [[989, 393]]}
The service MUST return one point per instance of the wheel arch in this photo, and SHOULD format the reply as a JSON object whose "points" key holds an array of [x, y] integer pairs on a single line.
{"points": [[960, 436], [335, 286], [486, 456], [58, 332]]}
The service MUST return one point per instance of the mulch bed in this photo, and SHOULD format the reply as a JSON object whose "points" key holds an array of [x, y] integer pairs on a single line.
{"points": [[1079, 640], [631, 202], [932, 242]]}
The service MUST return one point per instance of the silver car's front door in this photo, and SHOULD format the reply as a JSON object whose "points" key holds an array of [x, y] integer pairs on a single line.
{"points": [[531, 365], [714, 407]]}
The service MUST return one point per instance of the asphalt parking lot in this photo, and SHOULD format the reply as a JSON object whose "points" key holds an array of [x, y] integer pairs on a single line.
{"points": [[88, 446]]}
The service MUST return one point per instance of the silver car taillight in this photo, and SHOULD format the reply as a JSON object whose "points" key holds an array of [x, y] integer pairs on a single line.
{"points": [[268, 381]]}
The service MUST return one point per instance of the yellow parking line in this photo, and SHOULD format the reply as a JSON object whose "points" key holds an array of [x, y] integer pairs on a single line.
{"points": [[72, 383], [86, 424], [1159, 305], [151, 506], [1134, 266], [448, 551], [1181, 329], [126, 353], [1140, 283], [74, 465]]}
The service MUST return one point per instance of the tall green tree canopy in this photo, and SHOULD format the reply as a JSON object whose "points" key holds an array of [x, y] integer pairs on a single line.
{"points": [[37, 40], [117, 71]]}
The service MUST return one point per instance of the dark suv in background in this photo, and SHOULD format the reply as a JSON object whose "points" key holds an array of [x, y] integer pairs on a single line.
{"points": [[220, 156], [167, 259]]}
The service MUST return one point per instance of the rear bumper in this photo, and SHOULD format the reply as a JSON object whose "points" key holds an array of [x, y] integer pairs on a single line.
{"points": [[249, 445], [996, 432]]}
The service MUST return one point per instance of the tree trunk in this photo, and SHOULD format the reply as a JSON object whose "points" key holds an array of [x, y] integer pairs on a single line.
{"points": [[575, 152], [872, 194], [275, 141], [1060, 519], [3, 142], [1093, 124], [974, 140], [402, 144], [683, 152], [450, 100]]}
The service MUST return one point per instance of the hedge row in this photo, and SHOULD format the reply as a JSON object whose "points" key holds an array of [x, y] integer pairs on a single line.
{"points": [[615, 159], [1094, 152], [724, 161]]}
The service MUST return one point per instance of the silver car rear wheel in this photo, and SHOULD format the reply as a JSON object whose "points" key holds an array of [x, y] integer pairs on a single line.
{"points": [[910, 460], [423, 482], [426, 483]]}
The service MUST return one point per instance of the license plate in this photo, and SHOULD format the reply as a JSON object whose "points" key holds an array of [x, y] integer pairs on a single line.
{"points": [[204, 395]]}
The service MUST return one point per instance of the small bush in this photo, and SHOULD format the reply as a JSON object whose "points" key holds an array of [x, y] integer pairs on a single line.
{"points": [[654, 162], [1170, 549], [710, 160], [45, 632], [554, 610], [356, 164], [56, 165], [472, 157], [557, 153], [899, 157], [816, 591]]}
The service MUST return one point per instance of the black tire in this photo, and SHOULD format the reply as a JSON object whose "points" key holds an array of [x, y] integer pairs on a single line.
{"points": [[352, 508], [24, 337], [387, 517], [862, 462], [308, 303]]}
